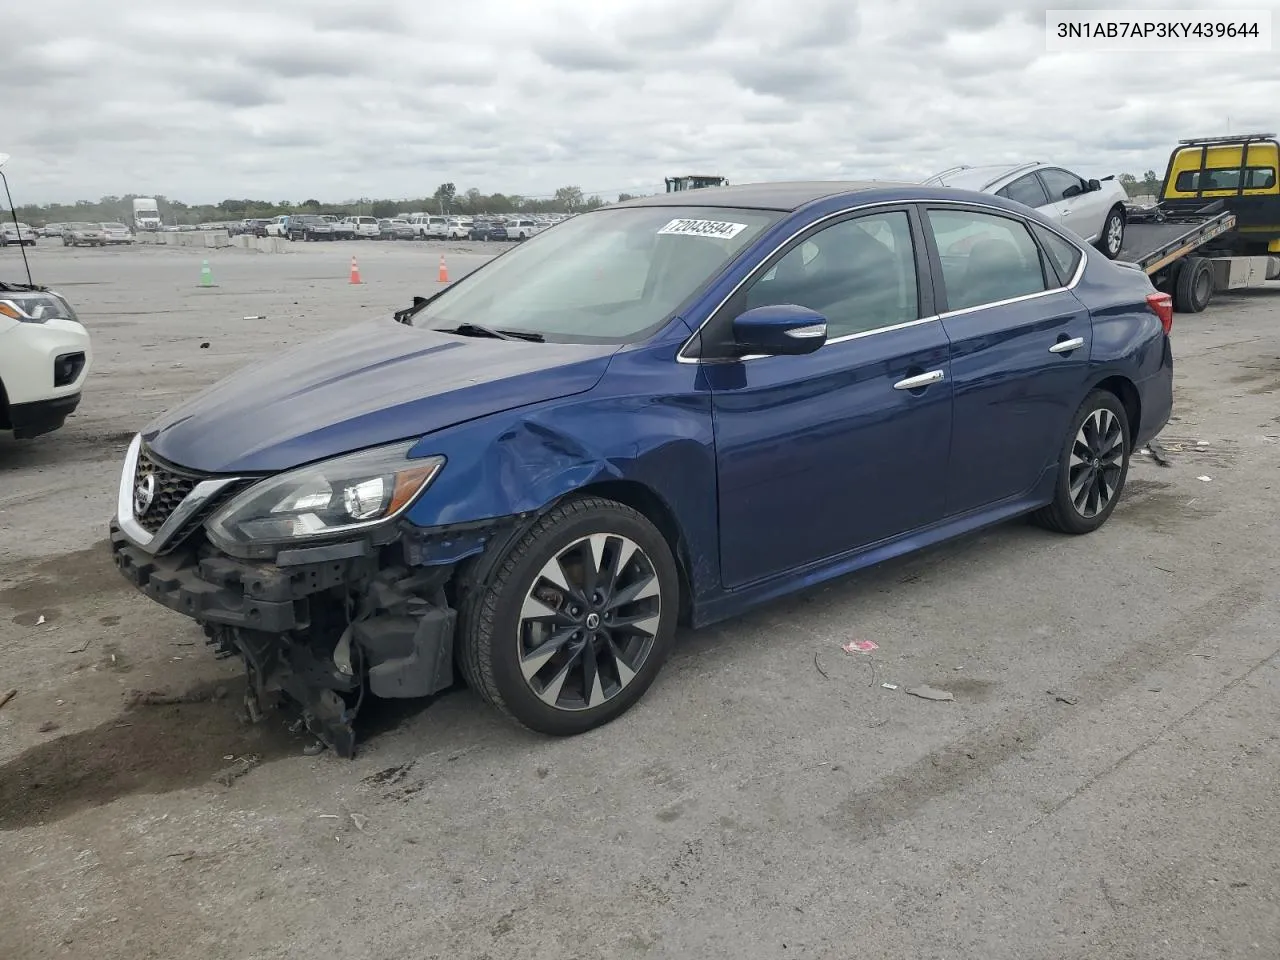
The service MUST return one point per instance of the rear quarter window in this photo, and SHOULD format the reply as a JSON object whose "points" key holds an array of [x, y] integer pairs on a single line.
{"points": [[1064, 258]]}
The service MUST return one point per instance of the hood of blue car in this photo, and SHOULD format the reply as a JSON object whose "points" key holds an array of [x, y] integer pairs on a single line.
{"points": [[375, 383]]}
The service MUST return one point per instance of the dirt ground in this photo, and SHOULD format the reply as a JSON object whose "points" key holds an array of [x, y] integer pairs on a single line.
{"points": [[1104, 785]]}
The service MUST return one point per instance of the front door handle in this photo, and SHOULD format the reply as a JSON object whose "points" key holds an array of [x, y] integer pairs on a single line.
{"points": [[923, 380], [1066, 346]]}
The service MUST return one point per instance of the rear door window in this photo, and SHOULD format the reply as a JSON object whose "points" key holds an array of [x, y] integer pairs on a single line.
{"points": [[1026, 190], [986, 258]]}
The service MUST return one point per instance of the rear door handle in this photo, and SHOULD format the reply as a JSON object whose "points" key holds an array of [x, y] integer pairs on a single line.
{"points": [[923, 380], [1066, 346]]}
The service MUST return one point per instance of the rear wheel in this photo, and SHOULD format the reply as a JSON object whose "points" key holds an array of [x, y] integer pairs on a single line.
{"points": [[1111, 240], [1193, 288], [575, 621], [1092, 467]]}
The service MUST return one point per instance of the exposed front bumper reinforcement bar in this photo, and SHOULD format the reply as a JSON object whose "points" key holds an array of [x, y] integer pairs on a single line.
{"points": [[324, 634]]}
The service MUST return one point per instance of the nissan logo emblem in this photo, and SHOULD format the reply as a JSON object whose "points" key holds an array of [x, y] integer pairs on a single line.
{"points": [[144, 493]]}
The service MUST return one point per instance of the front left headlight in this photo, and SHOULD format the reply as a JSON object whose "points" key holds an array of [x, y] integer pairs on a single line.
{"points": [[334, 497], [35, 306]]}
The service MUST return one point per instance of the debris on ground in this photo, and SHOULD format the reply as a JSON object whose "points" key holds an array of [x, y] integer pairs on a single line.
{"points": [[1069, 699], [7, 696], [926, 692], [889, 686], [47, 727], [1158, 454], [82, 648], [818, 666], [158, 698], [40, 619], [1205, 479], [230, 774], [859, 646], [359, 820], [314, 749], [205, 345]]}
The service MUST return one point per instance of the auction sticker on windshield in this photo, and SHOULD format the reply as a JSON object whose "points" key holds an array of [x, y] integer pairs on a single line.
{"points": [[720, 229]]}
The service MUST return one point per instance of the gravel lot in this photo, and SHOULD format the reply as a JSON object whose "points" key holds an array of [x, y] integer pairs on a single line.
{"points": [[1103, 786]]}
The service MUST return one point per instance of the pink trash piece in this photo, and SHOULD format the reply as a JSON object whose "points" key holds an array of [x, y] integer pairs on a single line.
{"points": [[859, 646]]}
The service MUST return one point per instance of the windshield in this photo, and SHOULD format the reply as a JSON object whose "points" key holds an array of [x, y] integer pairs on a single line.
{"points": [[611, 276]]}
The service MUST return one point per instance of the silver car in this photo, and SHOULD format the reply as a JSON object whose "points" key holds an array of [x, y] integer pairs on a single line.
{"points": [[117, 233], [19, 233], [1092, 209], [83, 235]]}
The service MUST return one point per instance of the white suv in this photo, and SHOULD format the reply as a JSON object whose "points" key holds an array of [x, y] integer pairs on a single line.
{"points": [[365, 227], [1092, 209], [459, 228], [44, 360], [429, 226]]}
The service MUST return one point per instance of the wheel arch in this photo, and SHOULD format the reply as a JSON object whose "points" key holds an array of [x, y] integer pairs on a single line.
{"points": [[646, 501], [1126, 392]]}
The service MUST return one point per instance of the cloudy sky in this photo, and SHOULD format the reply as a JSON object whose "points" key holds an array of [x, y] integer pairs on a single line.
{"points": [[338, 99]]}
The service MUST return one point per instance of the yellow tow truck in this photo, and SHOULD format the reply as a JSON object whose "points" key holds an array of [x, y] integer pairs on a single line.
{"points": [[1216, 225]]}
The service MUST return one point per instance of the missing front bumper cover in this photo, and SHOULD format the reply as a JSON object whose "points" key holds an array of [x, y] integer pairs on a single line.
{"points": [[392, 629]]}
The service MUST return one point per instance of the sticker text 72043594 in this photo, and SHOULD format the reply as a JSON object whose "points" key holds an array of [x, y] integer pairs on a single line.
{"points": [[719, 229]]}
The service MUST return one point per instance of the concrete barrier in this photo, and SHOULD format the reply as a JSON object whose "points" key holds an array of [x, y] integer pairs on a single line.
{"points": [[214, 239]]}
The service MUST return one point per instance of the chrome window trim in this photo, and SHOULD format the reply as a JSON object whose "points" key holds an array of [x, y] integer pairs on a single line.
{"points": [[153, 543], [923, 204]]}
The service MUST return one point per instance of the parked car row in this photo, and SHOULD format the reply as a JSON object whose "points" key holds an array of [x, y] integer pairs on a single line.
{"points": [[405, 226], [75, 234]]}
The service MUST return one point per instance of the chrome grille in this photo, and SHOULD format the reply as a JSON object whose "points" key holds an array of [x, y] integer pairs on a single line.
{"points": [[171, 488]]}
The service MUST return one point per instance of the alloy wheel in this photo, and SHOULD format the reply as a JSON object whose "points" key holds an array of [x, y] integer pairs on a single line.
{"points": [[1115, 234], [1097, 462], [588, 622]]}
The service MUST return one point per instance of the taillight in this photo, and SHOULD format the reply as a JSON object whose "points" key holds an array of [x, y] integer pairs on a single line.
{"points": [[1161, 305]]}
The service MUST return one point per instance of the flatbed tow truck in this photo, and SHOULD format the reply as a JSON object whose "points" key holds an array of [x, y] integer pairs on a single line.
{"points": [[1216, 226]]}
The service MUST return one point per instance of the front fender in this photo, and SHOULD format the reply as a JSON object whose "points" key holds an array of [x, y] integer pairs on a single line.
{"points": [[521, 462]]}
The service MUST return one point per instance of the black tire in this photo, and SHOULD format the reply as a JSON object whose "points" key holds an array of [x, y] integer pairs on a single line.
{"points": [[489, 644], [1062, 514], [1111, 240], [1193, 289]]}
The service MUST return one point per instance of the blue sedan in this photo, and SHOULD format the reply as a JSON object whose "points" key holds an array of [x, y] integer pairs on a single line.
{"points": [[665, 411]]}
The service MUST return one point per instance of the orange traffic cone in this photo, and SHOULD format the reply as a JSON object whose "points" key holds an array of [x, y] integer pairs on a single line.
{"points": [[444, 271], [355, 271]]}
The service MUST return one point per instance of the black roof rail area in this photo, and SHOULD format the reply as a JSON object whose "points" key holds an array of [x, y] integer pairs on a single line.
{"points": [[1239, 138]]}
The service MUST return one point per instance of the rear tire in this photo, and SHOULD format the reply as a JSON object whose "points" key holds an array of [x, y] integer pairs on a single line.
{"points": [[1193, 289], [1092, 467], [1111, 240], [557, 589]]}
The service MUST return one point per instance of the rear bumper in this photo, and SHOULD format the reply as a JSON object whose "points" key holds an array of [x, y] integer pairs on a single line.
{"points": [[1156, 396]]}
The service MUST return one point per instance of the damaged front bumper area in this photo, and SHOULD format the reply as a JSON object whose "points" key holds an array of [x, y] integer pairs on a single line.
{"points": [[344, 621]]}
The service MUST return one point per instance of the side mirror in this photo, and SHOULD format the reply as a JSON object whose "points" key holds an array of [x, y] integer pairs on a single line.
{"points": [[1095, 185], [781, 329]]}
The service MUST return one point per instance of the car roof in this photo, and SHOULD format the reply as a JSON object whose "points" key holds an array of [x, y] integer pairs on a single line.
{"points": [[762, 196], [980, 177]]}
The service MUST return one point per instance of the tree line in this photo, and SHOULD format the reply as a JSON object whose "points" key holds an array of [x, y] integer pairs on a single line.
{"points": [[446, 200]]}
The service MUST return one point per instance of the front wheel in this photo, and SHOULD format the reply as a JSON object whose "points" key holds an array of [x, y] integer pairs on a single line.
{"points": [[576, 619], [1092, 467], [1111, 241]]}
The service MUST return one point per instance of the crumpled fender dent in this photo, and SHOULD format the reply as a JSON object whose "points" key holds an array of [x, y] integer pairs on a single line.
{"points": [[504, 470]]}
